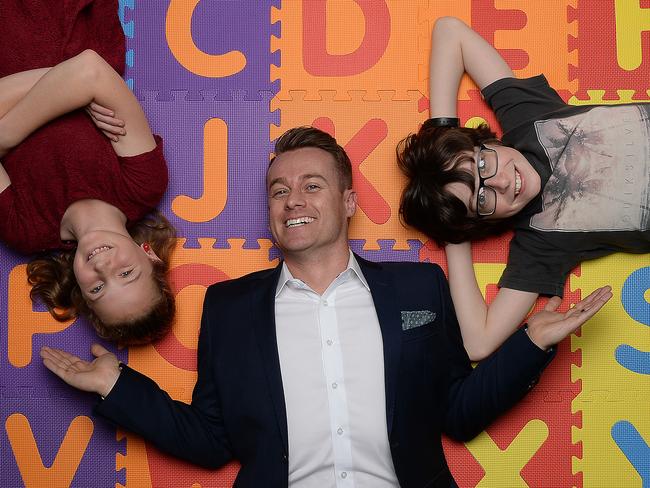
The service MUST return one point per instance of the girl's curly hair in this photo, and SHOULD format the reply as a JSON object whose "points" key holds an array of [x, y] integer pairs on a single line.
{"points": [[54, 283]]}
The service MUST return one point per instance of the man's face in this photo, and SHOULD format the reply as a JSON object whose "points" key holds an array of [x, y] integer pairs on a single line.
{"points": [[308, 210]]}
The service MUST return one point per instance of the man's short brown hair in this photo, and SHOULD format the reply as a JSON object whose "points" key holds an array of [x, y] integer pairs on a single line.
{"points": [[305, 136]]}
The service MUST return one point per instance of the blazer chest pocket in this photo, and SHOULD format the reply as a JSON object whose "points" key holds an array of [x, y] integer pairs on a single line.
{"points": [[419, 324]]}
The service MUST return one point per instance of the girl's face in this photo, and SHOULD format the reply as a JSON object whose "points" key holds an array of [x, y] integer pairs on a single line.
{"points": [[114, 274], [516, 183]]}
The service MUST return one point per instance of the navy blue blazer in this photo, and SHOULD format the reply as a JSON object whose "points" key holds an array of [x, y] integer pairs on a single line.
{"points": [[238, 411]]}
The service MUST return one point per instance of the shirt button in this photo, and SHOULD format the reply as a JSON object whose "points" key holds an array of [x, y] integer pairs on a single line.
{"points": [[339, 431], [325, 304], [344, 474], [335, 386], [329, 342]]}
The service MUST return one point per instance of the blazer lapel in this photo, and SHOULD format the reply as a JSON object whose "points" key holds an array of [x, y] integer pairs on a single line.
{"points": [[263, 312], [389, 316]]}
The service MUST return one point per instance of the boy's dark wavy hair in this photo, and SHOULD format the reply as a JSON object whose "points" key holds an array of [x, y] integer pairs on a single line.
{"points": [[430, 160], [54, 283]]}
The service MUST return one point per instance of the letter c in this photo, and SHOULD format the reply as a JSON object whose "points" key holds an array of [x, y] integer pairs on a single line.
{"points": [[178, 30]]}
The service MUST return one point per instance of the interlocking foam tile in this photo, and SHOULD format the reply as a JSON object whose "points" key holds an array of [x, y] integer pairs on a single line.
{"points": [[531, 38], [171, 362], [219, 46], [61, 443], [219, 81], [377, 52], [544, 31], [218, 152], [427, 14], [518, 449], [603, 97], [369, 131], [124, 11], [614, 395], [611, 42], [387, 250]]}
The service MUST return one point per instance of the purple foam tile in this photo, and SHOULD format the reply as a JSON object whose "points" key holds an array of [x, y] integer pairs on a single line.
{"points": [[386, 251], [48, 403], [181, 124], [217, 27]]}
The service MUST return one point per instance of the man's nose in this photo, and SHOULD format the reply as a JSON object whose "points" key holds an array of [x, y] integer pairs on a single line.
{"points": [[295, 199]]}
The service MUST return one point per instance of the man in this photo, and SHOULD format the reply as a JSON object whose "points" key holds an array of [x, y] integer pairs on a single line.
{"points": [[327, 370]]}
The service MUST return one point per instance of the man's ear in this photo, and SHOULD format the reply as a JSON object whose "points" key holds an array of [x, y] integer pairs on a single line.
{"points": [[350, 202]]}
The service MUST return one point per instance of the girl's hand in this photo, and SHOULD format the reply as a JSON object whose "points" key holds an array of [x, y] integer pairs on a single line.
{"points": [[105, 120], [98, 376]]}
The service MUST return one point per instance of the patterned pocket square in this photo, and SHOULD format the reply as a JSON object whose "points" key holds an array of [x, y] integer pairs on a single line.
{"points": [[415, 318]]}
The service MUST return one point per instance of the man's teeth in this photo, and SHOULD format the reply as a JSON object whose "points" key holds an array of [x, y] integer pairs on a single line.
{"points": [[298, 221], [517, 182], [97, 251]]}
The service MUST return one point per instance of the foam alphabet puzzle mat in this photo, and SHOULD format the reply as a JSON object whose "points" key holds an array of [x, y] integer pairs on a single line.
{"points": [[220, 80]]}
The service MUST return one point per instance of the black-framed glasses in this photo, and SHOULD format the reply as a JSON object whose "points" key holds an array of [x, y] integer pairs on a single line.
{"points": [[487, 163]]}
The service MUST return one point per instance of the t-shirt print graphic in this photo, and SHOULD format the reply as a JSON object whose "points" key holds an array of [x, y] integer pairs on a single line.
{"points": [[601, 171]]}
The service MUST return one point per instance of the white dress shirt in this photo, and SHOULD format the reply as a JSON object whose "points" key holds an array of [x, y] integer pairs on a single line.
{"points": [[331, 359]]}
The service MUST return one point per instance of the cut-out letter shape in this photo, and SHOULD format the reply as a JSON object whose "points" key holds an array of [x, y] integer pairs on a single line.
{"points": [[637, 307], [178, 29], [503, 467], [631, 22], [358, 148], [636, 450], [318, 62], [215, 177], [169, 347], [28, 458], [23, 322], [633, 295]]}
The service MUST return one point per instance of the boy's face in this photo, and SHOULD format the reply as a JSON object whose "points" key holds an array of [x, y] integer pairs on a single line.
{"points": [[515, 183]]}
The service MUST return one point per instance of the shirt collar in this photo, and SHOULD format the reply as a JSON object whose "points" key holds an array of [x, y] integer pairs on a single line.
{"points": [[353, 267]]}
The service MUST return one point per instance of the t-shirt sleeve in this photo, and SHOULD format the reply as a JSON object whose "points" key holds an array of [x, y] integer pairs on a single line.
{"points": [[145, 176], [535, 265], [515, 101]]}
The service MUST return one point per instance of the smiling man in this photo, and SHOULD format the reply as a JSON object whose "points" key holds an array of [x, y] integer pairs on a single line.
{"points": [[327, 370]]}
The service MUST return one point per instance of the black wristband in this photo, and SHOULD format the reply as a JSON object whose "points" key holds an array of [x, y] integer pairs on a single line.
{"points": [[442, 122]]}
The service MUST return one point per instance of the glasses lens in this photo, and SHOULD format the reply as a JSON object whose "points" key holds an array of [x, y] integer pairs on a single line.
{"points": [[488, 162], [486, 201]]}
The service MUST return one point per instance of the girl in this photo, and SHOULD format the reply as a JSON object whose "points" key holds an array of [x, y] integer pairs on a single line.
{"points": [[67, 191]]}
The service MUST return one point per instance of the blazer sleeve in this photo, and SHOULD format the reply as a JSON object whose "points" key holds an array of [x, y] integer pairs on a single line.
{"points": [[192, 432], [477, 396]]}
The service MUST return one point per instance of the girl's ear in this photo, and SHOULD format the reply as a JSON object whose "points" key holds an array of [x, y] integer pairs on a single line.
{"points": [[151, 254]]}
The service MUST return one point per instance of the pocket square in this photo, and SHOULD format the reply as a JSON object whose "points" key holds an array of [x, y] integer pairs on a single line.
{"points": [[415, 318]]}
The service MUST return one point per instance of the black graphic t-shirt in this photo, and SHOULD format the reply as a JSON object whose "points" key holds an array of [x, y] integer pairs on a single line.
{"points": [[594, 163]]}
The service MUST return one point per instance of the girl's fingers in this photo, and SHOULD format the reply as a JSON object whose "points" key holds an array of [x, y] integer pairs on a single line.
{"points": [[100, 109], [117, 123]]}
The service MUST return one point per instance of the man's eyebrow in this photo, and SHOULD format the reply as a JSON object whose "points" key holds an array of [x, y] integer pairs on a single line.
{"points": [[308, 176], [283, 181], [276, 181]]}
